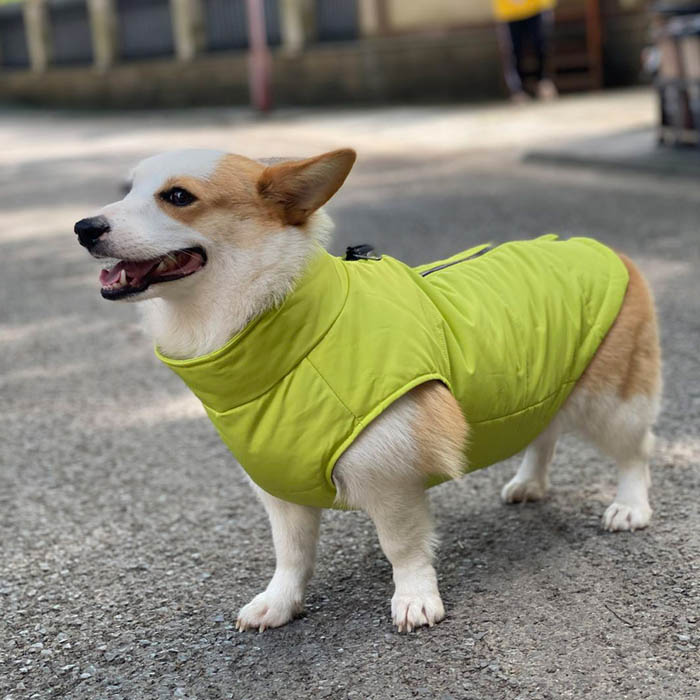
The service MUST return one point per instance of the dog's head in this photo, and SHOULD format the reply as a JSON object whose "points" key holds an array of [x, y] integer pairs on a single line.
{"points": [[184, 208]]}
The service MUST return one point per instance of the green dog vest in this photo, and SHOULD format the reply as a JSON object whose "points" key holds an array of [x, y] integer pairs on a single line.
{"points": [[509, 330]]}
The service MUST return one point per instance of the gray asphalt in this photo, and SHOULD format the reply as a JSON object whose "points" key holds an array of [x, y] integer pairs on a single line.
{"points": [[129, 538]]}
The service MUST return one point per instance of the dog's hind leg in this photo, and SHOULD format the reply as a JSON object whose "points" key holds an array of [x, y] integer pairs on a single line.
{"points": [[616, 401], [532, 480], [295, 534], [621, 429], [630, 510]]}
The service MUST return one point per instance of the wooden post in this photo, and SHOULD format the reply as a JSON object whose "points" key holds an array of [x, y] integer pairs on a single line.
{"points": [[258, 57], [103, 27], [188, 28], [38, 32], [594, 42], [298, 25], [370, 17]]}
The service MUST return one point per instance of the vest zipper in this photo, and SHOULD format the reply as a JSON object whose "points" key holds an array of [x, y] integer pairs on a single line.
{"points": [[479, 253]]}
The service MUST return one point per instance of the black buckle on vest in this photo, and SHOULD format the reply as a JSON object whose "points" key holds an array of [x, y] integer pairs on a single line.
{"points": [[361, 252]]}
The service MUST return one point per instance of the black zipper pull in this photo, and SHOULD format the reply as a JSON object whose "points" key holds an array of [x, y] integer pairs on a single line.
{"points": [[361, 252]]}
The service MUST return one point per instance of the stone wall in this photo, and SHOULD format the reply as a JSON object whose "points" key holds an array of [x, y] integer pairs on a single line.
{"points": [[461, 66]]}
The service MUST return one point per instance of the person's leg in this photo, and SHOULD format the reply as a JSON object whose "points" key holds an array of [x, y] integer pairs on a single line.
{"points": [[509, 40], [542, 27], [518, 36], [539, 43]]}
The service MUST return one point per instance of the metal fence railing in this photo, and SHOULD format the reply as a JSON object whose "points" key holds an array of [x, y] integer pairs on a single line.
{"points": [[13, 39], [227, 24], [145, 29], [71, 41], [337, 20]]}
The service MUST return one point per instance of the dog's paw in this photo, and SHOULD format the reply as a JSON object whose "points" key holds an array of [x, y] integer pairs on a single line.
{"points": [[622, 517], [266, 610], [516, 491], [411, 611]]}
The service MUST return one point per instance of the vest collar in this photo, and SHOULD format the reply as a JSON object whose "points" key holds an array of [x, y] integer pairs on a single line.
{"points": [[271, 345]]}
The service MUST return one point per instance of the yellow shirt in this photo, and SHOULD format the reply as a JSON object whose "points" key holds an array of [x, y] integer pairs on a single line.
{"points": [[513, 10]]}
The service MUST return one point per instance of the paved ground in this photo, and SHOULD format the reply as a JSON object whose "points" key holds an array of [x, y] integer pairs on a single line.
{"points": [[632, 149], [129, 539]]}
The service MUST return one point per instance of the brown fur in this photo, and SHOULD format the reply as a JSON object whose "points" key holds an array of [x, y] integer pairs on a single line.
{"points": [[441, 431], [628, 361], [294, 190], [231, 184], [228, 207], [260, 197]]}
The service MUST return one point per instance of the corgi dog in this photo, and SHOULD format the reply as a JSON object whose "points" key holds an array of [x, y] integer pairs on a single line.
{"points": [[215, 246]]}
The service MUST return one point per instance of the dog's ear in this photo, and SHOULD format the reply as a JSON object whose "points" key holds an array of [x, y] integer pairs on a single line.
{"points": [[297, 189]]}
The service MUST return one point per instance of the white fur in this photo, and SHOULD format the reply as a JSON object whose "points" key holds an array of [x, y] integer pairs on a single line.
{"points": [[294, 534], [532, 481], [140, 229], [151, 172], [621, 430], [198, 314], [380, 473]]}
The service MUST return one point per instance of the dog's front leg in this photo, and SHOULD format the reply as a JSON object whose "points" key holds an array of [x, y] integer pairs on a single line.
{"points": [[405, 531], [295, 534], [384, 473]]}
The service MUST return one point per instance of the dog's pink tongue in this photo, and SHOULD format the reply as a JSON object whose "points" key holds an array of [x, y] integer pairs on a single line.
{"points": [[135, 270], [111, 276]]}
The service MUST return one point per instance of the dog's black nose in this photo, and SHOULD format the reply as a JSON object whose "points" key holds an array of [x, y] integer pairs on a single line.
{"points": [[89, 230]]}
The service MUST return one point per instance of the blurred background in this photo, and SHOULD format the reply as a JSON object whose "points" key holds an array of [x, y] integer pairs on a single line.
{"points": [[179, 52], [166, 53], [129, 538]]}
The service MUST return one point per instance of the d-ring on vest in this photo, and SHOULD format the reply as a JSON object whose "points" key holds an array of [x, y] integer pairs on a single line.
{"points": [[508, 332]]}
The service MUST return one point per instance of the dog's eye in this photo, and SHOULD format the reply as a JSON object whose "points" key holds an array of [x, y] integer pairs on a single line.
{"points": [[178, 197]]}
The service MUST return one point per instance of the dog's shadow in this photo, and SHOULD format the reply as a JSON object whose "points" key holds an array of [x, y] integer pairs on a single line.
{"points": [[497, 538], [479, 548]]}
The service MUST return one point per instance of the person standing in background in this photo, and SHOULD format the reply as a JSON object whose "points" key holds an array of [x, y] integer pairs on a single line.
{"points": [[526, 23]]}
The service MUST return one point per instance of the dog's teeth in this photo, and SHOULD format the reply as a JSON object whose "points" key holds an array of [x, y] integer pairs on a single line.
{"points": [[162, 266], [122, 278]]}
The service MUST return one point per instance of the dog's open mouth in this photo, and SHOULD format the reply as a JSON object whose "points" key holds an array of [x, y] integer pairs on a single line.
{"points": [[129, 277]]}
